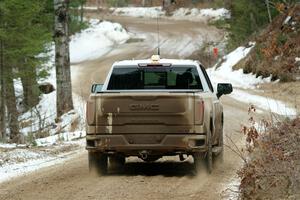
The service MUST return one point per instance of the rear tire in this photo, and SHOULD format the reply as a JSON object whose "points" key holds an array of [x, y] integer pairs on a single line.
{"points": [[219, 158], [209, 154], [97, 163], [117, 161], [198, 162]]}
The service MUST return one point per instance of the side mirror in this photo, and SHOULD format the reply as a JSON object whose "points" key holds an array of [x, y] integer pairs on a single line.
{"points": [[96, 88], [224, 88]]}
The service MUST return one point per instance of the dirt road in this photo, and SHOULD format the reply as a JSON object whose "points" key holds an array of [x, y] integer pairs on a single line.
{"points": [[165, 179]]}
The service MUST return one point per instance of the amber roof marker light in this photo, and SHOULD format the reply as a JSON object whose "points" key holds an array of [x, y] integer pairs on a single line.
{"points": [[155, 59]]}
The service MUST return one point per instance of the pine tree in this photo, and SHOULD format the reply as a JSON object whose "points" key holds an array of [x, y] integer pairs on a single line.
{"points": [[23, 34]]}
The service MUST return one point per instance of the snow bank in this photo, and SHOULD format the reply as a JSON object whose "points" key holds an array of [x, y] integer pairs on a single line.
{"points": [[147, 12], [17, 162], [44, 114], [96, 41], [90, 8], [196, 14], [268, 104], [225, 74], [192, 14], [54, 139], [19, 156], [11, 146]]}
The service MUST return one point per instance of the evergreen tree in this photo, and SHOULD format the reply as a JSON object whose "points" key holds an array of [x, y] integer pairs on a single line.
{"points": [[248, 17], [23, 34], [76, 12]]}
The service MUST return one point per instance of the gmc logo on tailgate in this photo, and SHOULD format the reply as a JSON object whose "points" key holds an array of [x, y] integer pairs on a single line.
{"points": [[144, 107]]}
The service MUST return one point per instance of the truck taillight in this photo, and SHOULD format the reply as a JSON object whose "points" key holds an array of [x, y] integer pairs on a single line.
{"points": [[199, 112], [90, 112]]}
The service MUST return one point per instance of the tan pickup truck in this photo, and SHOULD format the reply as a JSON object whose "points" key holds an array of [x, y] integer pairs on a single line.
{"points": [[154, 108]]}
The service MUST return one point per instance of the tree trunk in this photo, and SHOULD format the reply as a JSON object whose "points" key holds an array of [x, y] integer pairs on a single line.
{"points": [[2, 96], [30, 86], [253, 22], [228, 4], [269, 12], [64, 102], [11, 104], [81, 12]]}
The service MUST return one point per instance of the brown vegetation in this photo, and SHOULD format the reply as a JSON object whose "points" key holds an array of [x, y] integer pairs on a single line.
{"points": [[277, 48], [272, 170]]}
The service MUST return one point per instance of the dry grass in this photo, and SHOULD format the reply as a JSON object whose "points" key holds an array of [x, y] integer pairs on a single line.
{"points": [[272, 170]]}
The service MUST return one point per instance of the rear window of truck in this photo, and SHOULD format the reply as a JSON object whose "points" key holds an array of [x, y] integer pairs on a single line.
{"points": [[154, 78]]}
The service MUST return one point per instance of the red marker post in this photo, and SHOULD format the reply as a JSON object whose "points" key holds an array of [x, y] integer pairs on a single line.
{"points": [[216, 52]]}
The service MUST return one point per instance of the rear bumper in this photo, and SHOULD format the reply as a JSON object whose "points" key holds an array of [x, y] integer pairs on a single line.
{"points": [[154, 144]]}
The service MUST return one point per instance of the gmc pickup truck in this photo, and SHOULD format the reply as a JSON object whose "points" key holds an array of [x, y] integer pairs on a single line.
{"points": [[154, 108]]}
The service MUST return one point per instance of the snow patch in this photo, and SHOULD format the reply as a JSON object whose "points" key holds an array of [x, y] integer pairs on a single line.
{"points": [[196, 14], [97, 40], [147, 12], [231, 189], [52, 140], [287, 19], [11, 146], [90, 8], [192, 14], [18, 156], [225, 74], [268, 104], [237, 78], [23, 161]]}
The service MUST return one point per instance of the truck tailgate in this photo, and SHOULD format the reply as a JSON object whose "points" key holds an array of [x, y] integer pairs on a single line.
{"points": [[146, 112]]}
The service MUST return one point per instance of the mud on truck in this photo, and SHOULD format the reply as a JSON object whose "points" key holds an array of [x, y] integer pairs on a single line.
{"points": [[154, 108]]}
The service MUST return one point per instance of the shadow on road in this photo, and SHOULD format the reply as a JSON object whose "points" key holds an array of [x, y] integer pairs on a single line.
{"points": [[166, 168]]}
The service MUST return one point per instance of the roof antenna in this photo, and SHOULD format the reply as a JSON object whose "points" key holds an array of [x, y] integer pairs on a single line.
{"points": [[157, 25]]}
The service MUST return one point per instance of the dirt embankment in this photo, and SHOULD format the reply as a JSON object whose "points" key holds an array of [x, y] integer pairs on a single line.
{"points": [[277, 50]]}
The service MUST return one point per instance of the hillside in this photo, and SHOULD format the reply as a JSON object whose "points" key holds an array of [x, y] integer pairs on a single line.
{"points": [[277, 50]]}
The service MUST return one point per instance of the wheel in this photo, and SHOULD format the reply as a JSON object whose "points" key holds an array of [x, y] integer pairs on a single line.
{"points": [[117, 161], [97, 163], [220, 156], [209, 153], [198, 162]]}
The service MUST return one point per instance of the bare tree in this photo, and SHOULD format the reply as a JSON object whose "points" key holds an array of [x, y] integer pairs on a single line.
{"points": [[64, 101], [268, 8]]}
